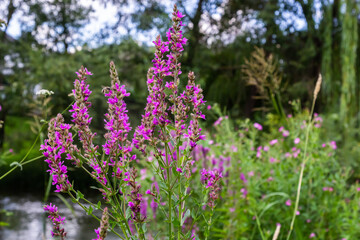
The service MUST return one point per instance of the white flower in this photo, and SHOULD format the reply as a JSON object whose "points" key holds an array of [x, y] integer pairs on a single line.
{"points": [[44, 92]]}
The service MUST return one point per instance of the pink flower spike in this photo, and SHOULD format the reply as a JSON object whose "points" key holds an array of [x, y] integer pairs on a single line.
{"points": [[281, 129], [288, 202], [179, 170], [312, 235], [297, 140], [208, 107], [274, 141]]}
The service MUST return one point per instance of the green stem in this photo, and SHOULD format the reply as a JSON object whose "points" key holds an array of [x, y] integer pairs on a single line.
{"points": [[140, 232], [209, 223], [169, 192], [122, 212], [301, 171], [180, 195], [259, 226], [29, 161]]}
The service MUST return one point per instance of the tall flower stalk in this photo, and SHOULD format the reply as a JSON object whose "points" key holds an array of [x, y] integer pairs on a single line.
{"points": [[305, 157], [171, 121]]}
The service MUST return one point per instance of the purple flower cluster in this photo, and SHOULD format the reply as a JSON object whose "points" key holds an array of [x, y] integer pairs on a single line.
{"points": [[193, 95], [157, 111], [59, 141], [80, 111], [57, 220], [81, 119], [211, 181], [101, 232], [176, 41], [117, 122]]}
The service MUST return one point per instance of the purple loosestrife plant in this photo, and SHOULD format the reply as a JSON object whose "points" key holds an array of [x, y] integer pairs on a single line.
{"points": [[112, 171], [170, 126], [168, 133]]}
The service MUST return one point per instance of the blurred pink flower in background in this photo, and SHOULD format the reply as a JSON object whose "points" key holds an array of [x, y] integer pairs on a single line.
{"points": [[217, 122], [333, 145], [285, 133], [258, 126]]}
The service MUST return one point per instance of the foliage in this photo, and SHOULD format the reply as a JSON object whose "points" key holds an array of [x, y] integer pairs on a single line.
{"points": [[261, 180]]}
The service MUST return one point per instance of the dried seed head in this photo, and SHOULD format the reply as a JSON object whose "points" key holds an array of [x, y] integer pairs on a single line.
{"points": [[317, 86]]}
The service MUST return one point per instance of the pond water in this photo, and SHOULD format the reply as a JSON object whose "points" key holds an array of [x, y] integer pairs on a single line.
{"points": [[29, 222]]}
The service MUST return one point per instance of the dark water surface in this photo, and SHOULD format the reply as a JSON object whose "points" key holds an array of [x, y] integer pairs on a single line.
{"points": [[29, 222]]}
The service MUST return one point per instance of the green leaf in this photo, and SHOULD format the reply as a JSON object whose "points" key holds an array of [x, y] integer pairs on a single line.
{"points": [[98, 205], [17, 164], [144, 228], [187, 214], [193, 214], [128, 213], [90, 210], [79, 195], [156, 236], [170, 127]]}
